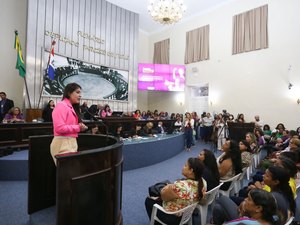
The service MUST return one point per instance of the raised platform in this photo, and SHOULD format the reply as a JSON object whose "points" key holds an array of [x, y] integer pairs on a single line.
{"points": [[144, 152], [15, 166], [137, 154]]}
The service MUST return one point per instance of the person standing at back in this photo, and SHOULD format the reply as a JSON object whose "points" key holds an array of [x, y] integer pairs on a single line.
{"points": [[47, 111], [66, 122], [5, 105]]}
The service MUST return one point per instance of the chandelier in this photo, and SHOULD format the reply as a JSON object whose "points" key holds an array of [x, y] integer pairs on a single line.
{"points": [[166, 11]]}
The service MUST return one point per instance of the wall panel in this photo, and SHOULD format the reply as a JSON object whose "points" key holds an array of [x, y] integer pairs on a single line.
{"points": [[117, 27]]}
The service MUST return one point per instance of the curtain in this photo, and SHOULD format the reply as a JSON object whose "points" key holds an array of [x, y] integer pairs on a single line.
{"points": [[162, 52], [250, 30], [197, 45]]}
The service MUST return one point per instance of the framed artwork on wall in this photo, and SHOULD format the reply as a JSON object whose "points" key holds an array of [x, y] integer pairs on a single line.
{"points": [[97, 82]]}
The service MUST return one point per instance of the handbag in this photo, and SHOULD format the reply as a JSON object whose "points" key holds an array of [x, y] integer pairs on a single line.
{"points": [[154, 190]]}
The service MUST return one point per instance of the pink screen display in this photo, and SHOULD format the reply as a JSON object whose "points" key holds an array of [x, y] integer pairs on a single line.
{"points": [[161, 77]]}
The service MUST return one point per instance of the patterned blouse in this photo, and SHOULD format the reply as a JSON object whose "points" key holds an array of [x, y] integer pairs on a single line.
{"points": [[187, 191], [246, 159]]}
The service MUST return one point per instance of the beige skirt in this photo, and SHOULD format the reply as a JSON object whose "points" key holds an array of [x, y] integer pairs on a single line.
{"points": [[62, 145]]}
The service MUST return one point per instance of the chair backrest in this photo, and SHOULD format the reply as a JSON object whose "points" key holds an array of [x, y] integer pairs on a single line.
{"points": [[232, 184], [186, 213], [211, 195], [242, 174], [232, 179], [289, 221]]}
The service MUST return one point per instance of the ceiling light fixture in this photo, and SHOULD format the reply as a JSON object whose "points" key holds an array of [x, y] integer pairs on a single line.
{"points": [[166, 11]]}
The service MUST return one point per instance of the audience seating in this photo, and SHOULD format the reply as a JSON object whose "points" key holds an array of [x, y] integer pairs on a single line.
{"points": [[186, 212], [289, 221], [231, 187], [239, 182], [256, 157], [209, 199], [250, 168]]}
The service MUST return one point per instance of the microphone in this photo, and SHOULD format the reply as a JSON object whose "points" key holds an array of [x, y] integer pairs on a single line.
{"points": [[91, 115]]}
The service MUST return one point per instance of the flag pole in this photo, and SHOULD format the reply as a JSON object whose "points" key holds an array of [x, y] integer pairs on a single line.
{"points": [[20, 65], [27, 93]]}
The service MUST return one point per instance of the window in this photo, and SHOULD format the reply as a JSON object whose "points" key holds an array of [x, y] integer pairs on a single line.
{"points": [[250, 30], [197, 45]]}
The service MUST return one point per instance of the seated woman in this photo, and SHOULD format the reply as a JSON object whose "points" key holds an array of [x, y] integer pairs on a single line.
{"points": [[259, 208], [181, 193], [290, 165], [178, 123], [286, 160], [106, 111], [251, 139], [147, 129], [144, 115], [277, 179], [14, 115], [280, 128], [294, 145], [94, 129], [211, 173], [47, 111], [259, 134], [136, 131], [229, 163], [245, 153], [137, 114], [118, 132]]}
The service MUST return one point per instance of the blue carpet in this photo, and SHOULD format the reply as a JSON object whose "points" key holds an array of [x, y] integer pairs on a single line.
{"points": [[136, 183], [13, 198], [18, 161], [13, 194]]}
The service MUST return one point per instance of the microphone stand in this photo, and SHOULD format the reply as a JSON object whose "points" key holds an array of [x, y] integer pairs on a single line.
{"points": [[99, 120]]}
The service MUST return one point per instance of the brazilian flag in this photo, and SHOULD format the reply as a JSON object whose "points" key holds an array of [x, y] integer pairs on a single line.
{"points": [[20, 62]]}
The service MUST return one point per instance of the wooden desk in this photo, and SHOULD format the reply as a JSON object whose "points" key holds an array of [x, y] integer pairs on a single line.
{"points": [[17, 134]]}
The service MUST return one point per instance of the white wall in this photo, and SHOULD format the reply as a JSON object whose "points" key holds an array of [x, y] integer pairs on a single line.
{"points": [[143, 57], [250, 83], [13, 15]]}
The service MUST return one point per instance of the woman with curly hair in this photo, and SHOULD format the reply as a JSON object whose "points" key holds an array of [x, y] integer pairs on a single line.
{"points": [[14, 115]]}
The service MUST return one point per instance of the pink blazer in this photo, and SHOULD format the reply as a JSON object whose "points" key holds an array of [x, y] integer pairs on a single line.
{"points": [[65, 120]]}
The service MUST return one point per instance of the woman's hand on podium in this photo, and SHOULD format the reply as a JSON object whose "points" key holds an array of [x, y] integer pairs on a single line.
{"points": [[83, 127]]}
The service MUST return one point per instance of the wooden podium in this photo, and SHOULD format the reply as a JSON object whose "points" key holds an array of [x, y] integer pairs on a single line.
{"points": [[86, 186]]}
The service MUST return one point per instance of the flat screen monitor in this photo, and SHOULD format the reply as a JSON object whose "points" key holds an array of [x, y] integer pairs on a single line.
{"points": [[161, 77], [117, 113]]}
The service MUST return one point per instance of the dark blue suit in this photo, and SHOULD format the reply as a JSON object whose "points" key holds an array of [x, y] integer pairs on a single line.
{"points": [[5, 105]]}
